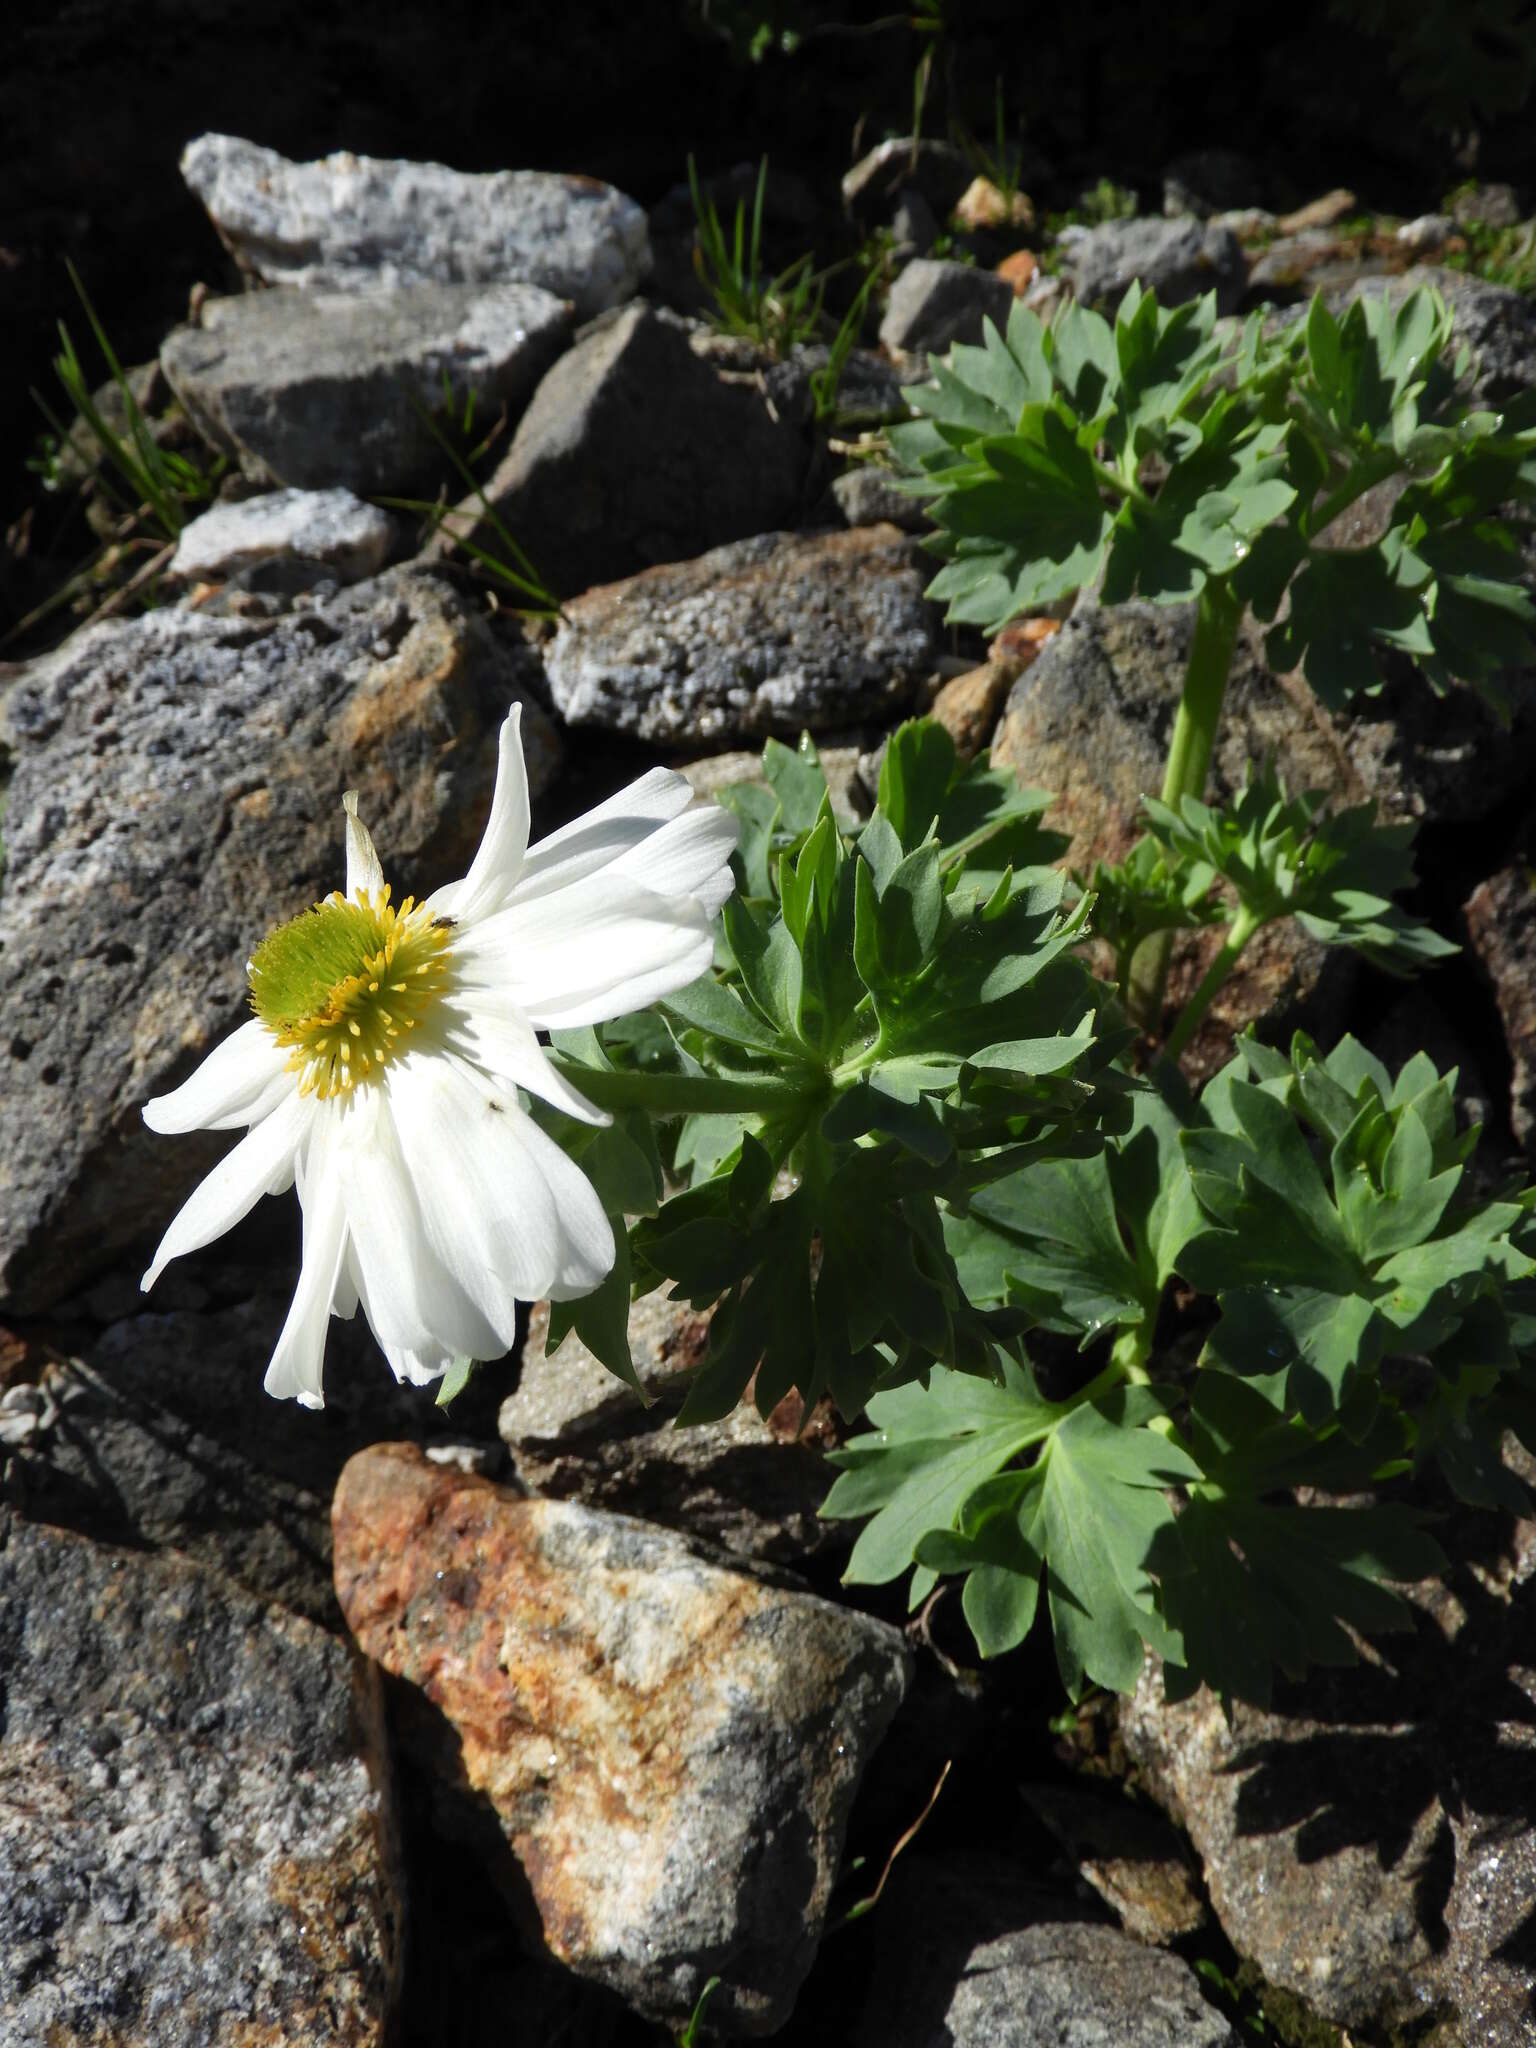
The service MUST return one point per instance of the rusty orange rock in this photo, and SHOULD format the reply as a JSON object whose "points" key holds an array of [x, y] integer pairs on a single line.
{"points": [[1019, 270], [669, 1746]]}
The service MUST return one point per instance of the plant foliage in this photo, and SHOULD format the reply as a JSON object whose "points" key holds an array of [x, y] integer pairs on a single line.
{"points": [[1167, 449], [1373, 1314]]}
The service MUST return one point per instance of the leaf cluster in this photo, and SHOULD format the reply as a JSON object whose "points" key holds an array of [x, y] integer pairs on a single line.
{"points": [[899, 1012], [1372, 1311], [1168, 450], [1334, 872]]}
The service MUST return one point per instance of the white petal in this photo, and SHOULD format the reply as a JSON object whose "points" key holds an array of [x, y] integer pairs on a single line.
{"points": [[410, 1300], [229, 1088], [508, 1214], [499, 859], [365, 877], [602, 835], [594, 951], [493, 1035], [295, 1371], [417, 1368], [261, 1164], [689, 857]]}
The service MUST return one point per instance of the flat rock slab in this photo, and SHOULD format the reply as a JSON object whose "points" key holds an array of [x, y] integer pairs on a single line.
{"points": [[1370, 1841], [175, 795], [969, 1956], [577, 1433], [191, 1848], [1501, 926], [1177, 259], [634, 450], [349, 223], [770, 636], [334, 529], [326, 389], [670, 1748]]}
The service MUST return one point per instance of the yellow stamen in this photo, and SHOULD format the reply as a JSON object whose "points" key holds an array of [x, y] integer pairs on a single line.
{"points": [[316, 984]]}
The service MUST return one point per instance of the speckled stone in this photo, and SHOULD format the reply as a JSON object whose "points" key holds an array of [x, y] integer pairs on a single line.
{"points": [[775, 635], [1368, 1841], [670, 1748], [191, 1848], [175, 794], [323, 390], [354, 223], [575, 1432]]}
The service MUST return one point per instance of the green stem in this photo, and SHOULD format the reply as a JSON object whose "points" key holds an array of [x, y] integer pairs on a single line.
{"points": [[1217, 617], [1127, 1362], [682, 1094], [1122, 486], [1239, 932]]}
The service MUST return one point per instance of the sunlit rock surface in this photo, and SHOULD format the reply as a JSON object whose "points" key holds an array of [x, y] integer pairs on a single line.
{"points": [[351, 223], [769, 636], [323, 390], [191, 1846], [670, 1747]]}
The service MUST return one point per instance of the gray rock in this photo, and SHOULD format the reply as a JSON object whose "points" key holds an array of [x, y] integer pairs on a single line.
{"points": [[1316, 259], [968, 1956], [1071, 1986], [1497, 323], [934, 304], [1429, 231], [869, 390], [317, 389], [937, 171], [352, 223], [1492, 206], [1178, 259], [174, 796], [1501, 928], [869, 494], [157, 1433], [635, 451], [1248, 223], [773, 635], [333, 529], [577, 1433], [1090, 719], [1134, 1860], [669, 1748], [914, 224], [190, 1848], [1370, 1842]]}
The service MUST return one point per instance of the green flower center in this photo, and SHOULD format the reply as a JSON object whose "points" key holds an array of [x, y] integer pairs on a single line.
{"points": [[346, 983]]}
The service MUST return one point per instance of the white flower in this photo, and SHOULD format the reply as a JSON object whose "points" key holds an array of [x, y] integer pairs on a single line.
{"points": [[380, 1072]]}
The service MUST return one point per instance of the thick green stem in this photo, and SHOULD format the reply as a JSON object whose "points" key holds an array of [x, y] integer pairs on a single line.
{"points": [[1217, 617], [1127, 1363], [682, 1094], [1239, 932]]}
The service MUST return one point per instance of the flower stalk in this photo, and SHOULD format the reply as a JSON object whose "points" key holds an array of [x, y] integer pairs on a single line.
{"points": [[1218, 614]]}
